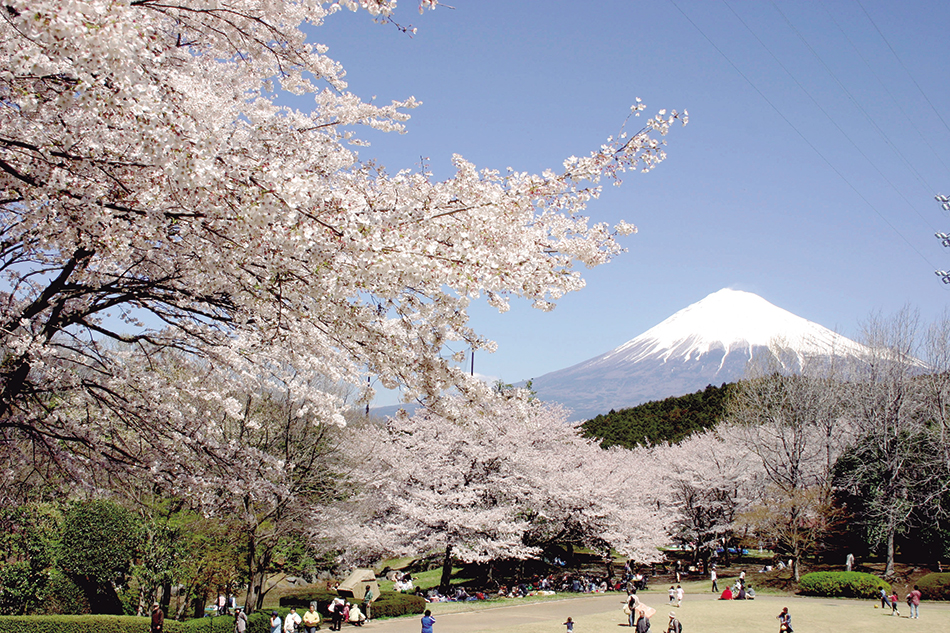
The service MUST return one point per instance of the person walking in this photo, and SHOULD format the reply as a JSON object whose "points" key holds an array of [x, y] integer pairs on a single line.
{"points": [[675, 626], [570, 625], [158, 619], [630, 608], [785, 621], [292, 621], [336, 613], [712, 575], [311, 619], [679, 595], [913, 603], [643, 623], [240, 620], [274, 622], [427, 622]]}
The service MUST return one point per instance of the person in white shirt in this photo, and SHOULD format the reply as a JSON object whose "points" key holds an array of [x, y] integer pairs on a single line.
{"points": [[292, 621]]}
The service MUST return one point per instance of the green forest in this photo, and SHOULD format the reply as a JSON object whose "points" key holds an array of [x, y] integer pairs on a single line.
{"points": [[670, 420]]}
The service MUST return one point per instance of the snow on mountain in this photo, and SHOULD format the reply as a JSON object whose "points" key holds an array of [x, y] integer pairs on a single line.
{"points": [[709, 342]]}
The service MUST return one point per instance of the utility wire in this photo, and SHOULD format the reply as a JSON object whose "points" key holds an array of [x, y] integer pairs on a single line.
{"points": [[802, 136], [905, 118], [828, 116], [901, 62], [927, 188]]}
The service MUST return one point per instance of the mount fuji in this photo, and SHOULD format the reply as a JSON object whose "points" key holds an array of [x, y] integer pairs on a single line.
{"points": [[710, 342]]}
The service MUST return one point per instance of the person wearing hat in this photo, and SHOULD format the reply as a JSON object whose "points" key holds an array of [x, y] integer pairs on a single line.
{"points": [[158, 619], [274, 622], [675, 626], [240, 620]]}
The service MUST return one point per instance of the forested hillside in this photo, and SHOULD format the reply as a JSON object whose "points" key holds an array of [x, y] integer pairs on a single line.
{"points": [[668, 420]]}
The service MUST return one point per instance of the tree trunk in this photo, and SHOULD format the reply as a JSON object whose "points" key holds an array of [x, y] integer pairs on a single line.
{"points": [[166, 599], [253, 590], [446, 581], [889, 567], [198, 606]]}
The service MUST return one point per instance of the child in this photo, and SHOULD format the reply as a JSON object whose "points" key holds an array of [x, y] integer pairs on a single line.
{"points": [[570, 625], [672, 594], [679, 595], [785, 621], [894, 605]]}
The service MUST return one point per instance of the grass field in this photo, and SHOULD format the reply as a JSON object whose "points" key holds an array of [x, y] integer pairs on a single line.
{"points": [[699, 613]]}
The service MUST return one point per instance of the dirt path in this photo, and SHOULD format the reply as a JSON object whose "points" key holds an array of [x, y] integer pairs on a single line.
{"points": [[506, 617], [509, 617]]}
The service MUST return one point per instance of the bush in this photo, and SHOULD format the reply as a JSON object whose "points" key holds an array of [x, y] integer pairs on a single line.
{"points": [[73, 624], [303, 599], [935, 586], [256, 623], [389, 604], [842, 584]]}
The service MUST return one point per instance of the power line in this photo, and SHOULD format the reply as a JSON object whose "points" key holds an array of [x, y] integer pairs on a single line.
{"points": [[905, 117], [802, 136], [927, 187], [829, 117], [901, 62]]}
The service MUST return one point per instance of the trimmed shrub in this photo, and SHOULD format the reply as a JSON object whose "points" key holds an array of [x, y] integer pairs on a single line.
{"points": [[935, 586], [391, 605], [73, 624], [303, 599], [842, 584], [256, 623]]}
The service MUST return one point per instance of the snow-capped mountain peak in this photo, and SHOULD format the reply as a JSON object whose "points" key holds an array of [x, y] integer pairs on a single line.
{"points": [[708, 342], [729, 320]]}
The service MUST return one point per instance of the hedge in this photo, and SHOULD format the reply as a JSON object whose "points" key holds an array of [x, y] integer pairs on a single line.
{"points": [[935, 586], [842, 584], [257, 623], [390, 604]]}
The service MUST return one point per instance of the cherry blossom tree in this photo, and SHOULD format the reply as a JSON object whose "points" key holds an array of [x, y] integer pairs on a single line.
{"points": [[711, 480], [155, 195], [266, 474], [498, 482]]}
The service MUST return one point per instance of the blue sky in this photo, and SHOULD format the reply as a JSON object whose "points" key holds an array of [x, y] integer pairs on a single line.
{"points": [[818, 136]]}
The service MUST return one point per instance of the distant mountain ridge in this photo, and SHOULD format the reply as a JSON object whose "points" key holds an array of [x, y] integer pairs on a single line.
{"points": [[707, 343]]}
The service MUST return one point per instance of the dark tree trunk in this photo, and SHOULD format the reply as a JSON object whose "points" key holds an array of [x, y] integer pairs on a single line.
{"points": [[446, 581], [166, 599]]}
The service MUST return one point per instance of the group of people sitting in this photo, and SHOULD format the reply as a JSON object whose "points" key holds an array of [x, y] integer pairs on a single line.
{"points": [[402, 581], [460, 594], [739, 591]]}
